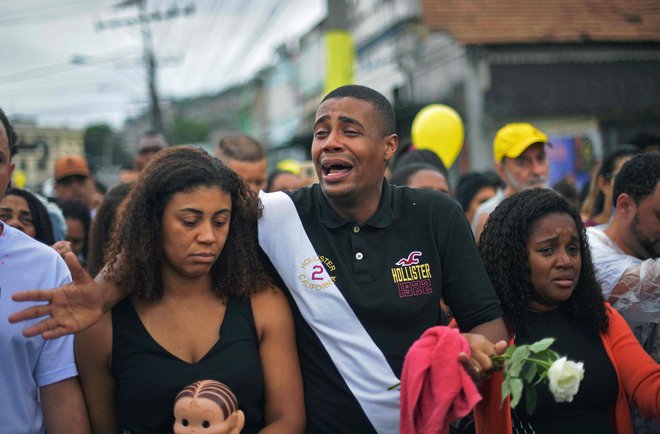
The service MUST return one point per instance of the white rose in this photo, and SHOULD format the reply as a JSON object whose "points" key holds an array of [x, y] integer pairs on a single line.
{"points": [[565, 376]]}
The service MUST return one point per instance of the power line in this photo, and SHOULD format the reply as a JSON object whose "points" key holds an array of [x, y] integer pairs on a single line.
{"points": [[238, 53], [47, 96], [48, 11], [227, 38], [209, 38], [35, 73], [58, 68], [252, 43], [51, 85], [85, 109], [144, 19]]}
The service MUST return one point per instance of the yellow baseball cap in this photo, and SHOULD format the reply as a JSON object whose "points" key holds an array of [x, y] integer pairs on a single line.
{"points": [[512, 140], [289, 165]]}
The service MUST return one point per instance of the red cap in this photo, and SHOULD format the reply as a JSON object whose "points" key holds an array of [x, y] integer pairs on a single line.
{"points": [[70, 165]]}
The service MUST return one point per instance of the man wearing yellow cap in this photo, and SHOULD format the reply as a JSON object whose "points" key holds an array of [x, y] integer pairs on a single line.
{"points": [[520, 160]]}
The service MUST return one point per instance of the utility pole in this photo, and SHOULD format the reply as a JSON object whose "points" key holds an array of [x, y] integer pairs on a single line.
{"points": [[150, 61], [337, 14], [149, 56], [339, 47]]}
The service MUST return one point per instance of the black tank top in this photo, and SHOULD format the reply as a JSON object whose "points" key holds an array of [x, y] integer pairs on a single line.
{"points": [[591, 407], [148, 377]]}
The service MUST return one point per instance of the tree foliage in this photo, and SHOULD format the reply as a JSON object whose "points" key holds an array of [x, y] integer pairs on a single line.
{"points": [[103, 146], [187, 131]]}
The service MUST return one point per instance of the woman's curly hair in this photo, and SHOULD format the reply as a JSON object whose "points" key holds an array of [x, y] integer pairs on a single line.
{"points": [[102, 227], [136, 253], [503, 248]]}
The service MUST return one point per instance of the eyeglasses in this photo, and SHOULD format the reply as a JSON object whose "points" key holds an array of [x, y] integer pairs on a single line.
{"points": [[149, 150]]}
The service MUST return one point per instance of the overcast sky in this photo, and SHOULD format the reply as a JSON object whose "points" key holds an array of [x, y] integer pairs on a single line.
{"points": [[222, 42]]}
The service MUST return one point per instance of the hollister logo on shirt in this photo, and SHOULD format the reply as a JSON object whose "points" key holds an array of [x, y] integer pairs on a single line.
{"points": [[412, 276], [314, 276], [410, 260]]}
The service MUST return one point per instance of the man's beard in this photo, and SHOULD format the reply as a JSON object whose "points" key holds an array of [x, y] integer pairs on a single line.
{"points": [[650, 246], [533, 182]]}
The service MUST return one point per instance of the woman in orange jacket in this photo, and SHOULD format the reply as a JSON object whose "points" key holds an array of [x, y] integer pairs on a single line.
{"points": [[536, 253]]}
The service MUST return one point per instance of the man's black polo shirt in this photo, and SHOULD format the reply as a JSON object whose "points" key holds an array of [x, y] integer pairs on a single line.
{"points": [[392, 270]]}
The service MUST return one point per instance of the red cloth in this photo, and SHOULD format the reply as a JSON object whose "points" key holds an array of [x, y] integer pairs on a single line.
{"points": [[435, 388]]}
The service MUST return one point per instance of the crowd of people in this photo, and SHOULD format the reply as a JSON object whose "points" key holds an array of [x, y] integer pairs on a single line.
{"points": [[305, 299]]}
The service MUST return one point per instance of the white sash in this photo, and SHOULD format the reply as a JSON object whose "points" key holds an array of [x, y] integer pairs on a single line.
{"points": [[359, 361]]}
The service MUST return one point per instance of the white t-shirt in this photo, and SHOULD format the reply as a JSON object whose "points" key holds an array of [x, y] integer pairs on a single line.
{"points": [[609, 260], [639, 304], [486, 208], [26, 364]]}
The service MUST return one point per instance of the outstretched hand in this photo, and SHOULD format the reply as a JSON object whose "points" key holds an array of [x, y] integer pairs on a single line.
{"points": [[479, 365], [70, 309], [62, 247]]}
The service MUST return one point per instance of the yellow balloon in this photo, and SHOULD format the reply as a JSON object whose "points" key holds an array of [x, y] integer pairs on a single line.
{"points": [[19, 179], [439, 128]]}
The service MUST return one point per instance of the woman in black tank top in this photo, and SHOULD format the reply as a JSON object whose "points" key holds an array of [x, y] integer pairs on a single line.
{"points": [[201, 305]]}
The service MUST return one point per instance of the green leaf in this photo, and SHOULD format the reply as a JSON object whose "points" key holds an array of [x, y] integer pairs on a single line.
{"points": [[529, 372], [530, 399], [541, 345], [506, 389], [509, 350], [542, 376], [516, 391], [517, 360], [545, 355]]}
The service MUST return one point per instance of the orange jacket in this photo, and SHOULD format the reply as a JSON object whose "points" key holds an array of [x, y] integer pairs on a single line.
{"points": [[637, 373]]}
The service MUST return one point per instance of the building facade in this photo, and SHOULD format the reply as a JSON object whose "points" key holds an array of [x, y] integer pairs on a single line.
{"points": [[39, 148]]}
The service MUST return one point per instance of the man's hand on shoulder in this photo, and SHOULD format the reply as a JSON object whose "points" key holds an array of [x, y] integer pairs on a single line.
{"points": [[70, 308]]}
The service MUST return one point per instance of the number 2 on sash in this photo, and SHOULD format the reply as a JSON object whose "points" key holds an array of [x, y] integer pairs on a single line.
{"points": [[317, 272]]}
